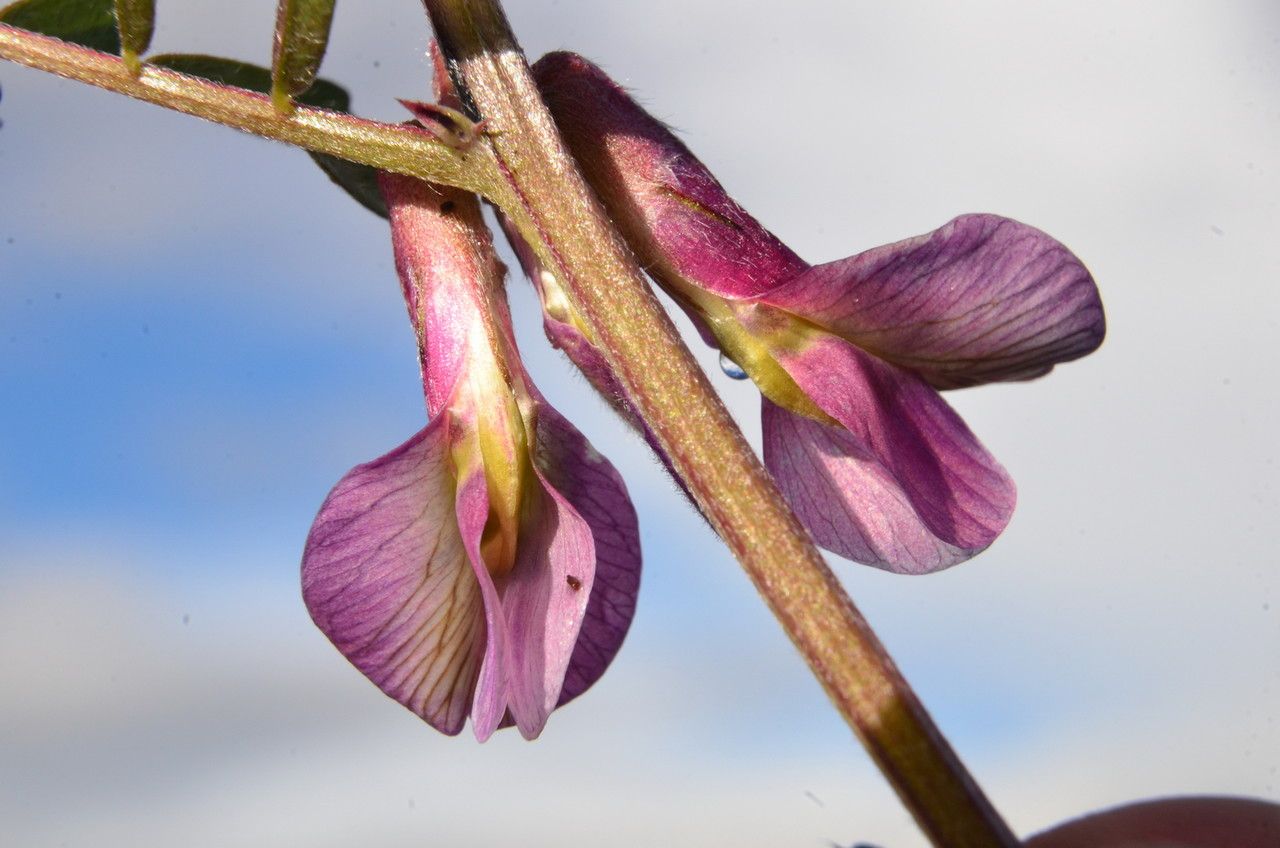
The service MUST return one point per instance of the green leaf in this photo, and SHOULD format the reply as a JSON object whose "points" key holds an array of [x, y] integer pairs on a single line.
{"points": [[89, 23], [136, 20], [302, 33], [359, 181]]}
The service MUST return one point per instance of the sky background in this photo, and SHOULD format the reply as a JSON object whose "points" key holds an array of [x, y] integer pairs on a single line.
{"points": [[200, 336]]}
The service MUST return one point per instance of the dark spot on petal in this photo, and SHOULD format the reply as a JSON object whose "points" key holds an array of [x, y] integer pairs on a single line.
{"points": [[447, 206], [574, 583]]}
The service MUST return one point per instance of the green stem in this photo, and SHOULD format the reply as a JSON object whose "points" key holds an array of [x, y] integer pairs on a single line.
{"points": [[389, 147], [555, 211]]}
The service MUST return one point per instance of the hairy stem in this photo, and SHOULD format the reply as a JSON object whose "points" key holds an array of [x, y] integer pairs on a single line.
{"points": [[402, 149], [555, 211]]}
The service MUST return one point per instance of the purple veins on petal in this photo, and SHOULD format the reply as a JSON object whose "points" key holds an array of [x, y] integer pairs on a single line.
{"points": [[386, 576], [979, 300], [902, 483]]}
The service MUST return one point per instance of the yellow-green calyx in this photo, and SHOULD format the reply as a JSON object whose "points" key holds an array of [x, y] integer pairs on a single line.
{"points": [[751, 334], [494, 440]]}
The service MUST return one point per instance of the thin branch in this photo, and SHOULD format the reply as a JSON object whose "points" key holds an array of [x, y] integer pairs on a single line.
{"points": [[390, 147]]}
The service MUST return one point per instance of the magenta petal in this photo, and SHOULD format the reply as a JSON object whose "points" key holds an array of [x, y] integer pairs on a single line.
{"points": [[544, 599], [596, 492], [489, 705], [979, 300], [902, 484], [386, 577]]}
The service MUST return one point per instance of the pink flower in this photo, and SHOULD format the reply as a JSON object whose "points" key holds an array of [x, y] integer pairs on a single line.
{"points": [[848, 355], [489, 565]]}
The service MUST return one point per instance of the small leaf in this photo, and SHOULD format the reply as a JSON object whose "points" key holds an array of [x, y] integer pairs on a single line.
{"points": [[136, 20], [89, 23], [359, 181], [302, 33]]}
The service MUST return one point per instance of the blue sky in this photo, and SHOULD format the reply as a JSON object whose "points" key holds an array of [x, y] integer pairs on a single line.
{"points": [[200, 336]]}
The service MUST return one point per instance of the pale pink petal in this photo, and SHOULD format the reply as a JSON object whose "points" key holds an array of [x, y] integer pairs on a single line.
{"points": [[595, 490], [850, 504], [385, 575], [544, 599], [979, 300], [492, 689], [901, 483]]}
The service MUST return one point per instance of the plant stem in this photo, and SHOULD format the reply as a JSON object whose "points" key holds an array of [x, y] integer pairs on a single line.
{"points": [[402, 149], [555, 211]]}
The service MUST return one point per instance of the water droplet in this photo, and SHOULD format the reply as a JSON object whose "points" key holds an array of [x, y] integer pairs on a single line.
{"points": [[731, 369]]}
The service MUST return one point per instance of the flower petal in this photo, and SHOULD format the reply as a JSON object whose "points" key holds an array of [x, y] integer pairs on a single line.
{"points": [[979, 300], [386, 577], [544, 599], [596, 492], [489, 706], [902, 484]]}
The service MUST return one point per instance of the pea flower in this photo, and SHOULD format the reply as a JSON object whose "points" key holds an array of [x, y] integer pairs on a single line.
{"points": [[848, 355], [489, 565]]}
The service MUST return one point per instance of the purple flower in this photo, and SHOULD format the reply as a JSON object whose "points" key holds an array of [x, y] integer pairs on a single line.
{"points": [[489, 565], [848, 355]]}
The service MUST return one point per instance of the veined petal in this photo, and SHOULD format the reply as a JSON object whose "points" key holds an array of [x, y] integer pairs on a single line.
{"points": [[979, 300], [902, 484], [681, 222], [570, 465], [544, 599], [848, 501], [386, 576]]}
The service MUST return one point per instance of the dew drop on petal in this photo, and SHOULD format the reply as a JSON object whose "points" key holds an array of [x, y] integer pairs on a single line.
{"points": [[731, 369]]}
